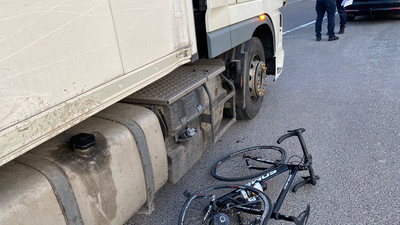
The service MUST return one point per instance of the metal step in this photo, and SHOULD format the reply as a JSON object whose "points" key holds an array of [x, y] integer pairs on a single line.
{"points": [[225, 126], [178, 83], [230, 97]]}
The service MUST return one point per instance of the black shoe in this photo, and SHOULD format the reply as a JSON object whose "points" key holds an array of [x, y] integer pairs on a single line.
{"points": [[341, 31], [318, 38], [333, 38]]}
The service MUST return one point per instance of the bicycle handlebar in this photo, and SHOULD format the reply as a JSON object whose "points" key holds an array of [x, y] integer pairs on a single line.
{"points": [[291, 133]]}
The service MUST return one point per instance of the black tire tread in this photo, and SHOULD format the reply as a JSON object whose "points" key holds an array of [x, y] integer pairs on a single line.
{"points": [[249, 111]]}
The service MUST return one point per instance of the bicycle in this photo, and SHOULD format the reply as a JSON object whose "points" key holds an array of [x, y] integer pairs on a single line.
{"points": [[229, 204], [252, 165]]}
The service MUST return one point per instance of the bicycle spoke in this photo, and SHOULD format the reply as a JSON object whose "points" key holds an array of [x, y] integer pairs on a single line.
{"points": [[200, 205], [229, 205], [248, 163]]}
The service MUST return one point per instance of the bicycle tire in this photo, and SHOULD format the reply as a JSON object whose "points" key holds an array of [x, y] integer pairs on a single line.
{"points": [[234, 166], [196, 207]]}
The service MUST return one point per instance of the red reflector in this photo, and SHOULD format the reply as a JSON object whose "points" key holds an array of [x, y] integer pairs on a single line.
{"points": [[395, 8]]}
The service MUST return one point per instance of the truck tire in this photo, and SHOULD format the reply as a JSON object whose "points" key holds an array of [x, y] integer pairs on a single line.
{"points": [[253, 99]]}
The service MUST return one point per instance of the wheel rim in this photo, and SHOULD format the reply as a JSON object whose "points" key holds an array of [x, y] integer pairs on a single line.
{"points": [[257, 74], [227, 209]]}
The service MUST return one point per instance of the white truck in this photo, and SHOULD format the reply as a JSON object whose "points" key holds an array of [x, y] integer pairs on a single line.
{"points": [[103, 101]]}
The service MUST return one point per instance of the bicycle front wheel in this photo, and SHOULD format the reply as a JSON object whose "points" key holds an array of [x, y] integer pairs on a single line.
{"points": [[233, 205], [248, 163]]}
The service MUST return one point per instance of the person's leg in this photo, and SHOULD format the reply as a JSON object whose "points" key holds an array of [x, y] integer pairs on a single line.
{"points": [[342, 13], [320, 8], [330, 10], [342, 16]]}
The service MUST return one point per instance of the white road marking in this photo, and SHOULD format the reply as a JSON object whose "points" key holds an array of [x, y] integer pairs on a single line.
{"points": [[294, 1], [304, 25]]}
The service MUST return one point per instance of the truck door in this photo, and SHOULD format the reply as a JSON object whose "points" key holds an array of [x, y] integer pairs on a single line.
{"points": [[218, 15], [222, 13]]}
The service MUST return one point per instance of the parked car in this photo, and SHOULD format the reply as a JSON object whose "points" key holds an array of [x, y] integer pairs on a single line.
{"points": [[372, 7]]}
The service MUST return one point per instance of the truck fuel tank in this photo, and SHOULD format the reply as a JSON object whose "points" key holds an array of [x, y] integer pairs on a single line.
{"points": [[101, 171]]}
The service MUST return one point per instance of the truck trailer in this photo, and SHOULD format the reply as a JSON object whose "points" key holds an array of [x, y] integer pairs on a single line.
{"points": [[104, 101]]}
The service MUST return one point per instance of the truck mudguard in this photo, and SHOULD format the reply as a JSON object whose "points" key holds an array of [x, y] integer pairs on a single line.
{"points": [[222, 40]]}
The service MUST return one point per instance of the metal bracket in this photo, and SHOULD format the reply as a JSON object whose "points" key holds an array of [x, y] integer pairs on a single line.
{"points": [[210, 119], [60, 184]]}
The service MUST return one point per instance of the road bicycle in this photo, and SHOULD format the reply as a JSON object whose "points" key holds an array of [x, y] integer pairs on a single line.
{"points": [[247, 204]]}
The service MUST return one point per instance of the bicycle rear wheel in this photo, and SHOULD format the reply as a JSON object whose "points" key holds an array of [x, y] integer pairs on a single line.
{"points": [[226, 205], [248, 163]]}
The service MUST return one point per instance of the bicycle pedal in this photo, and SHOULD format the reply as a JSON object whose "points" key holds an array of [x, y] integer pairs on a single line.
{"points": [[186, 193]]}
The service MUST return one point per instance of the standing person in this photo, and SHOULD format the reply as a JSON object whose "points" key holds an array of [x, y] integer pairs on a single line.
{"points": [[342, 15], [330, 7]]}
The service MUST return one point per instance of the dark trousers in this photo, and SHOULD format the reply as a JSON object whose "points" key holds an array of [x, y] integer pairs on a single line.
{"points": [[342, 12], [330, 7]]}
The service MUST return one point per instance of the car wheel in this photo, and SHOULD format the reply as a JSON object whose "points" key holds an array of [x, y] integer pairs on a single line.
{"points": [[350, 17]]}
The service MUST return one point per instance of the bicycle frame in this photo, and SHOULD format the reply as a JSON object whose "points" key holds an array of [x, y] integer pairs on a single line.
{"points": [[268, 175], [273, 172], [249, 204], [279, 169]]}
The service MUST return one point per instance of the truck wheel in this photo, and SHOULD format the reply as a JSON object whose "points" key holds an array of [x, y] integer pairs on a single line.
{"points": [[253, 78]]}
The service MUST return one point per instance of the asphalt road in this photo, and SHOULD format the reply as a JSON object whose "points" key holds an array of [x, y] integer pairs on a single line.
{"points": [[346, 94]]}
